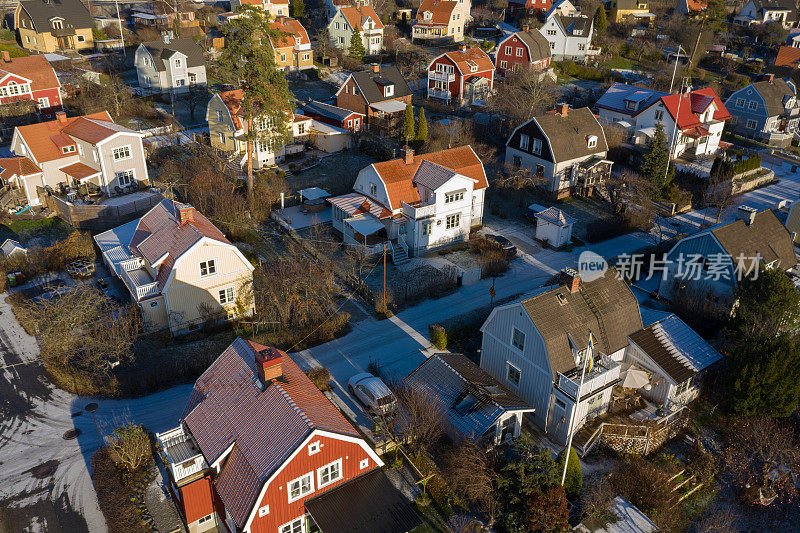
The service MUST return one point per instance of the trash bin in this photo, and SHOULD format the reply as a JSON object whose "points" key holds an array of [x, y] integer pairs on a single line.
{"points": [[12, 280]]}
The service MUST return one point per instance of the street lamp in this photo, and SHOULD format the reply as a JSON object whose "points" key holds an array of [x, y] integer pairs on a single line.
{"points": [[91, 408]]}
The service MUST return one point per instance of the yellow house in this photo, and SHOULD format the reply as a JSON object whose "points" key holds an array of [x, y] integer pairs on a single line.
{"points": [[293, 48], [179, 268], [46, 26], [631, 11]]}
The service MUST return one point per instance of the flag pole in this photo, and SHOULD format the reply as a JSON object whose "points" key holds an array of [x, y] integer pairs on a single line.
{"points": [[575, 408]]}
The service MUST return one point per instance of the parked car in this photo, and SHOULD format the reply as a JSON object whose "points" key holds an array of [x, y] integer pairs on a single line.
{"points": [[507, 246], [373, 393]]}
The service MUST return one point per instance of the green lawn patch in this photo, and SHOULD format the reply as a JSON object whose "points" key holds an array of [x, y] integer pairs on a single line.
{"points": [[53, 228], [13, 50]]}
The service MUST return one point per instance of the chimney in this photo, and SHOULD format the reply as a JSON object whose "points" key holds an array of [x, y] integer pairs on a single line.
{"points": [[6, 56], [268, 364], [526, 28], [408, 154], [61, 117], [746, 213], [463, 47], [571, 279], [563, 109], [185, 214], [376, 68], [761, 77], [165, 37]]}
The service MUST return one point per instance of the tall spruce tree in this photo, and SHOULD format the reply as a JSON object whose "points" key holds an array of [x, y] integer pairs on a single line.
{"points": [[600, 20], [357, 50], [655, 163], [422, 126], [248, 63], [408, 124]]}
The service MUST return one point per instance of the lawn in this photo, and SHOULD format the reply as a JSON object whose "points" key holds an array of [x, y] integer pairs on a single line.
{"points": [[42, 231], [621, 63], [13, 50]]}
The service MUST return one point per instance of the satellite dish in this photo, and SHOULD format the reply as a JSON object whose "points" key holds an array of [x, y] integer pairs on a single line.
{"points": [[647, 387]]}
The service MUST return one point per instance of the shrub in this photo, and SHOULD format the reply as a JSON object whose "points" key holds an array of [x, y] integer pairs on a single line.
{"points": [[129, 447], [320, 377], [115, 499], [438, 336], [574, 480]]}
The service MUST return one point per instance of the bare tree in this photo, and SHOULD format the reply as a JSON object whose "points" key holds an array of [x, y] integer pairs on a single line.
{"points": [[720, 521], [129, 446], [420, 418], [472, 475], [523, 94], [718, 193], [193, 98]]}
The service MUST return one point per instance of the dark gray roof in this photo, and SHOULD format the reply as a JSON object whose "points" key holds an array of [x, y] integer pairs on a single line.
{"points": [[765, 236], [327, 110], [537, 44], [568, 136], [606, 306], [571, 24], [369, 83], [73, 12], [432, 175], [477, 376], [161, 50], [775, 5], [368, 503], [774, 94]]}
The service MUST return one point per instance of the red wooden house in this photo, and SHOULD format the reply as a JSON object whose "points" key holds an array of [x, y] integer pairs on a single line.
{"points": [[523, 48], [261, 449], [30, 78], [520, 7], [461, 77], [335, 116]]}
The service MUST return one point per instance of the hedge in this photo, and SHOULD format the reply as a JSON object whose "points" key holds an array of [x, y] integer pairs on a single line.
{"points": [[574, 480], [738, 167], [115, 499]]}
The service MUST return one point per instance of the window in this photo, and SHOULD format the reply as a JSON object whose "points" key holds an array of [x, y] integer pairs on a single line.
{"points": [[504, 64], [341, 40], [192, 78], [539, 170], [591, 141], [295, 526], [581, 46], [222, 137], [153, 305], [44, 103], [57, 25], [508, 50], [751, 124], [205, 519], [178, 62], [300, 487], [426, 228], [180, 83], [81, 39], [125, 178], [516, 161], [373, 189], [659, 115], [336, 25], [355, 91], [27, 39], [226, 295], [263, 510], [453, 197], [740, 102], [551, 33], [752, 104], [313, 448], [520, 52], [283, 58], [301, 128], [306, 57], [453, 221], [537, 146], [518, 339], [329, 473], [208, 267], [388, 90], [121, 153], [683, 387], [513, 374], [523, 141], [630, 105], [363, 464], [68, 149]]}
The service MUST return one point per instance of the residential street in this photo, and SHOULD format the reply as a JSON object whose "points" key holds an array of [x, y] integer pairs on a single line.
{"points": [[46, 481]]}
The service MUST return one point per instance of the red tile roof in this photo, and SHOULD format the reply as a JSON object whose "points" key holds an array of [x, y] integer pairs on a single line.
{"points": [[264, 423], [79, 170], [34, 68], [290, 26], [691, 105], [696, 5], [440, 10], [356, 16], [788, 57], [399, 176], [42, 139], [17, 166], [463, 58]]}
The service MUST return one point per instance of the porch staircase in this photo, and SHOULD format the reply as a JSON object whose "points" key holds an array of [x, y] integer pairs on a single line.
{"points": [[399, 255]]}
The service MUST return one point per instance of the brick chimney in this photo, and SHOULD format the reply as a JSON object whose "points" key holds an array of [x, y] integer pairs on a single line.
{"points": [[463, 47], [6, 56], [408, 154], [185, 214], [571, 279], [526, 28], [268, 364], [61, 117], [376, 68], [563, 109]]}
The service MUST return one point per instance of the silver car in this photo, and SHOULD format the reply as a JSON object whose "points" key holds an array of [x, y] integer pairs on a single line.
{"points": [[373, 393]]}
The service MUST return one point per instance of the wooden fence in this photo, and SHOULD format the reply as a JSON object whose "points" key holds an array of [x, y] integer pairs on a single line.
{"points": [[96, 218]]}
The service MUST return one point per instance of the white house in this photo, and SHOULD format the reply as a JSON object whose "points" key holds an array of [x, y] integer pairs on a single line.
{"points": [[554, 227], [701, 117], [782, 12], [166, 65], [570, 36], [414, 203], [710, 258], [347, 19]]}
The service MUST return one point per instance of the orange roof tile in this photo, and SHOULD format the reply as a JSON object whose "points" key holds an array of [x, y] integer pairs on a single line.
{"points": [[40, 137], [35, 68], [356, 16], [398, 176], [696, 5], [440, 10], [292, 27], [788, 57], [462, 58], [233, 101], [17, 166]]}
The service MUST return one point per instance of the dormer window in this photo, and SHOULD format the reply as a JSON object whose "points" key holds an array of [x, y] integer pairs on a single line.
{"points": [[591, 141], [427, 15], [57, 24], [297, 41], [388, 90], [68, 149], [630, 105]]}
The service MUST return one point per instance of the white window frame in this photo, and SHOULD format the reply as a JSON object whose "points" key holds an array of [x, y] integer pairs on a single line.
{"points": [[453, 221], [521, 345], [289, 527], [364, 463], [537, 146], [122, 153], [313, 448], [263, 511], [592, 141], [320, 471], [208, 267], [752, 105], [451, 197], [44, 102], [751, 124], [299, 480], [524, 141], [227, 295], [509, 367], [205, 518], [427, 227], [129, 175], [740, 102]]}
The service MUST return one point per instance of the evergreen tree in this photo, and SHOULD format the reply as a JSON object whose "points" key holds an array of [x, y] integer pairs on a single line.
{"points": [[408, 124], [357, 50], [574, 480], [764, 376], [767, 305], [297, 8], [248, 63], [422, 126], [600, 20], [655, 165]]}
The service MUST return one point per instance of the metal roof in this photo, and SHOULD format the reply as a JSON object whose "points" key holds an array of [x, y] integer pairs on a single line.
{"points": [[432, 175]]}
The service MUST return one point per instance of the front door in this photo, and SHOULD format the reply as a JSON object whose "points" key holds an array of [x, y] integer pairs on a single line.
{"points": [[64, 43]]}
